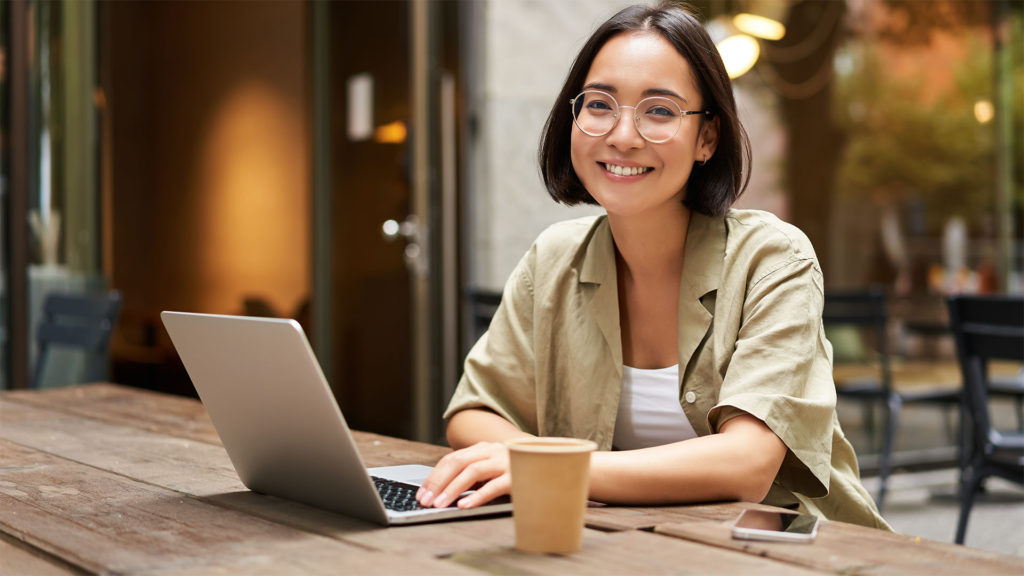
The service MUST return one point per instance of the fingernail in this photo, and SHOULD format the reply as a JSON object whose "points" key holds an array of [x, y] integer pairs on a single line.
{"points": [[466, 502], [441, 501], [425, 496]]}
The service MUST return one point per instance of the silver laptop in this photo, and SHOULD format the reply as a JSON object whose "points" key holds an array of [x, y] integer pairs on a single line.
{"points": [[280, 424]]}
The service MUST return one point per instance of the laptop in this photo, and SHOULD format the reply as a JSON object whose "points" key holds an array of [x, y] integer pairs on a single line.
{"points": [[281, 426]]}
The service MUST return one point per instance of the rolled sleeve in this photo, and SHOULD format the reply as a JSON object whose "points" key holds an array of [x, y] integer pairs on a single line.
{"points": [[780, 373]]}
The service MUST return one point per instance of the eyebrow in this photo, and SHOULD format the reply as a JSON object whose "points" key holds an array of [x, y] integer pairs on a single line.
{"points": [[646, 93]]}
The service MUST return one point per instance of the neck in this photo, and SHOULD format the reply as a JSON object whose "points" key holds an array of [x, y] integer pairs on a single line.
{"points": [[651, 245]]}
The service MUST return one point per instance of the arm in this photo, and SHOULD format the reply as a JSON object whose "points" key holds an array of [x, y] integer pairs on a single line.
{"points": [[475, 425], [738, 463]]}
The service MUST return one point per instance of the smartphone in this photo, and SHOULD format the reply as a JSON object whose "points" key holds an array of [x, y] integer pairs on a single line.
{"points": [[775, 526]]}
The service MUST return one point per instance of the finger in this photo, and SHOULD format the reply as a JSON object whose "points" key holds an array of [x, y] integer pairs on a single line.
{"points": [[446, 469], [438, 478], [476, 473], [497, 487]]}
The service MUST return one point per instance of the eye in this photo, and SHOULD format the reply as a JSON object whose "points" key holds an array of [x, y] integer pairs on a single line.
{"points": [[598, 105], [661, 111]]}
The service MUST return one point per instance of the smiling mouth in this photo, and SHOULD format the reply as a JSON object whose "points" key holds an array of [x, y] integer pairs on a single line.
{"points": [[625, 170]]}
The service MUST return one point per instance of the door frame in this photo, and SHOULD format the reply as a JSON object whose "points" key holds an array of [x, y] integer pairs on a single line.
{"points": [[434, 272]]}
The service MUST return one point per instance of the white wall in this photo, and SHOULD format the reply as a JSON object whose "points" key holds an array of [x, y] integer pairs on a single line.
{"points": [[526, 48]]}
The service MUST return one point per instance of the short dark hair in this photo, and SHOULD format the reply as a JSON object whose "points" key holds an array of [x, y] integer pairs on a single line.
{"points": [[713, 187]]}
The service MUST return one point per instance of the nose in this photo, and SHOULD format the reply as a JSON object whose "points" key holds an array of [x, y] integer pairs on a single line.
{"points": [[624, 135]]}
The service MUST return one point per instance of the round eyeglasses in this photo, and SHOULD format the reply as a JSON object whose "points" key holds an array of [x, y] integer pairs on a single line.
{"points": [[657, 118]]}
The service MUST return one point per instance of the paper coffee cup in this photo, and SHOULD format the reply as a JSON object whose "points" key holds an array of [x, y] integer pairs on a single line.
{"points": [[550, 483]]}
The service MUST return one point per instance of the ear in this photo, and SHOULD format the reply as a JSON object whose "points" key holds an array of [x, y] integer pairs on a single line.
{"points": [[707, 140]]}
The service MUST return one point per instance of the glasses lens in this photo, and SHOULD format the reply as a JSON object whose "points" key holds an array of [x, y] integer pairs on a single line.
{"points": [[658, 119], [595, 112]]}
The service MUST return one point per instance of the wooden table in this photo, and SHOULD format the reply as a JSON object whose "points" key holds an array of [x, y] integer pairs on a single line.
{"points": [[112, 480]]}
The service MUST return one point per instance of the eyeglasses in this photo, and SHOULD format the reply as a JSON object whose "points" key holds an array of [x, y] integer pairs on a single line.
{"points": [[657, 119]]}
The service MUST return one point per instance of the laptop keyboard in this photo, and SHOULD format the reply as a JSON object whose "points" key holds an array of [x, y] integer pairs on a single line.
{"points": [[397, 496]]}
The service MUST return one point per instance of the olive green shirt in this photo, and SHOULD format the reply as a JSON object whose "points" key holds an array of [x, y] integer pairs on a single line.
{"points": [[750, 341]]}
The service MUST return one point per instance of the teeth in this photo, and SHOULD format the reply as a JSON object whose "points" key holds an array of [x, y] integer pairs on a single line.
{"points": [[625, 170]]}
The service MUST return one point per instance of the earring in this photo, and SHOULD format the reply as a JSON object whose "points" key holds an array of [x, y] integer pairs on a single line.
{"points": [[705, 161]]}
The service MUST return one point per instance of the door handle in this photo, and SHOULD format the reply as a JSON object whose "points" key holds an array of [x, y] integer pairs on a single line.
{"points": [[407, 229], [412, 232]]}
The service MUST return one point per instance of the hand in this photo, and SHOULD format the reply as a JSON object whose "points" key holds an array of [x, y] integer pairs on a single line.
{"points": [[484, 463]]}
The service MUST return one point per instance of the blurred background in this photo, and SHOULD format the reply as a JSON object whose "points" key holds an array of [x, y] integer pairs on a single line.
{"points": [[369, 167]]}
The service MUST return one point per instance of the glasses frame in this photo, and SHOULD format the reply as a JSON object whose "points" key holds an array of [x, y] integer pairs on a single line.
{"points": [[636, 115]]}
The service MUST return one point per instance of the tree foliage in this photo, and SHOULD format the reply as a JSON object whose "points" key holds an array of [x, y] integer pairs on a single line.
{"points": [[905, 143], [913, 22]]}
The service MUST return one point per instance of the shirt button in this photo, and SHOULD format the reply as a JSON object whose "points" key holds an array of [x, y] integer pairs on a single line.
{"points": [[691, 397]]}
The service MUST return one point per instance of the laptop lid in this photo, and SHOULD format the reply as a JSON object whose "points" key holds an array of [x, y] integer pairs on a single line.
{"points": [[277, 418]]}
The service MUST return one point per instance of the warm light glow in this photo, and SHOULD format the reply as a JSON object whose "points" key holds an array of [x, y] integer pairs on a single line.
{"points": [[393, 133], [739, 54], [251, 202], [759, 26], [984, 111]]}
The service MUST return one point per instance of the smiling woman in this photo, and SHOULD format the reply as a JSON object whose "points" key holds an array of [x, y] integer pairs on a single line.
{"points": [[649, 152], [682, 336]]}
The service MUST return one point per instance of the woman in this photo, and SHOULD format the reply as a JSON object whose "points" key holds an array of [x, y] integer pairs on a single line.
{"points": [[683, 337]]}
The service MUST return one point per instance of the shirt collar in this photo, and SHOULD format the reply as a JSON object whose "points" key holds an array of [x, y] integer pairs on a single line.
{"points": [[702, 267], [599, 255], [705, 250]]}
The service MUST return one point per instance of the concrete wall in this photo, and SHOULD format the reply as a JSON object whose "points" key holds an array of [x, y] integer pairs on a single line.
{"points": [[526, 47]]}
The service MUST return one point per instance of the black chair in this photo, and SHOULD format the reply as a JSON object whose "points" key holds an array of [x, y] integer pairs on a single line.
{"points": [[78, 321], [866, 311], [483, 305], [985, 328]]}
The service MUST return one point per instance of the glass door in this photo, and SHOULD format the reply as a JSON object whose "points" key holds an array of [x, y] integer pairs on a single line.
{"points": [[49, 180], [384, 223]]}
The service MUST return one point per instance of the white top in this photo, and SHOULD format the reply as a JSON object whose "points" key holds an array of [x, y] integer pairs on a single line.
{"points": [[649, 409]]}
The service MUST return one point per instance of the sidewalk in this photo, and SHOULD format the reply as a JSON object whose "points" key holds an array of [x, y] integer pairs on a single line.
{"points": [[925, 503]]}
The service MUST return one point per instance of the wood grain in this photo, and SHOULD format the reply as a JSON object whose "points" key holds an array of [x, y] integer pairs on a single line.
{"points": [[618, 518], [188, 467], [179, 464], [842, 548], [151, 411], [187, 418], [18, 558], [631, 552], [105, 523], [107, 479]]}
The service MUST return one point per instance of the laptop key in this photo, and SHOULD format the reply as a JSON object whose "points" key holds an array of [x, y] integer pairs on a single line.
{"points": [[397, 496]]}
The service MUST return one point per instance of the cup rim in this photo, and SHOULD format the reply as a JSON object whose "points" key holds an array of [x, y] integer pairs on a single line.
{"points": [[551, 444]]}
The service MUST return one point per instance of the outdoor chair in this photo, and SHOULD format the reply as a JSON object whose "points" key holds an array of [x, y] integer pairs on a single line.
{"points": [[869, 379], [986, 328], [483, 305], [82, 322]]}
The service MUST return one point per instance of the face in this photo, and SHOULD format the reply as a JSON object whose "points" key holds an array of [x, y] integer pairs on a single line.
{"points": [[625, 173]]}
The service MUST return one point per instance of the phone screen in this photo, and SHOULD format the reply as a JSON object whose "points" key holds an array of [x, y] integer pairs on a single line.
{"points": [[775, 525]]}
